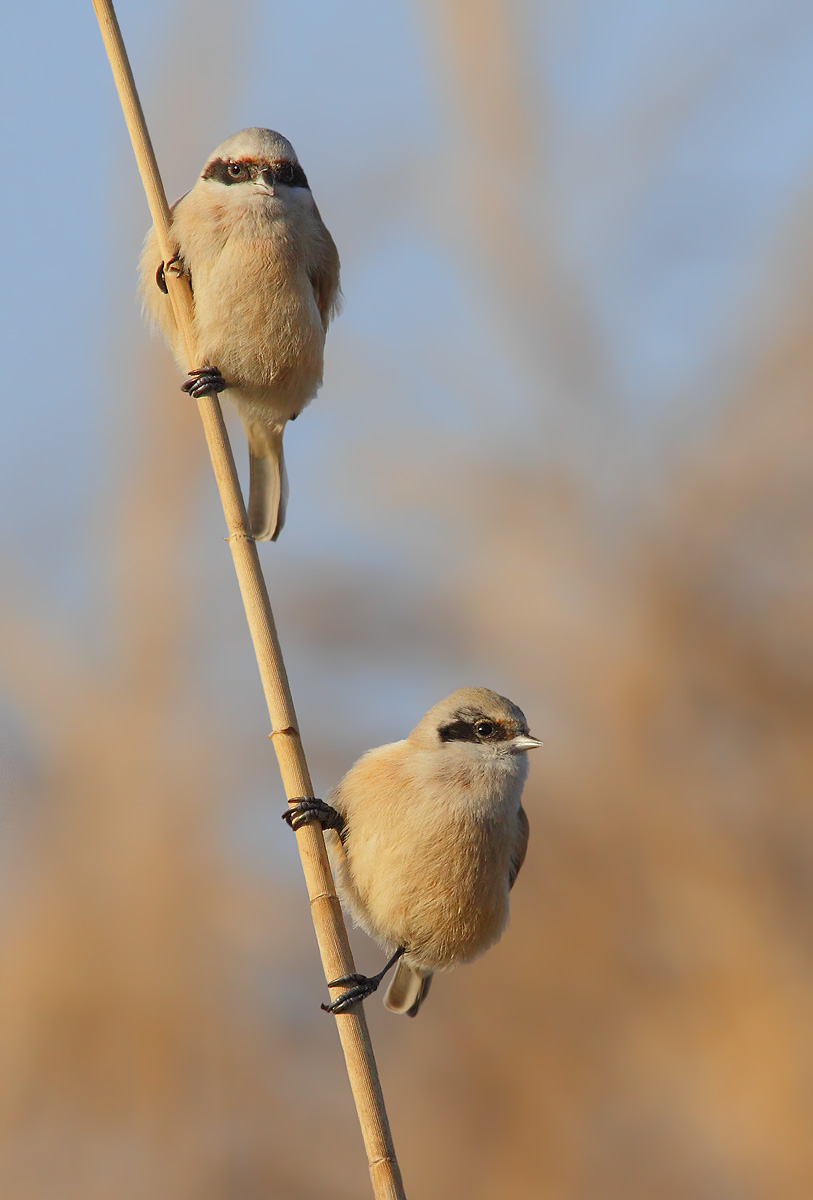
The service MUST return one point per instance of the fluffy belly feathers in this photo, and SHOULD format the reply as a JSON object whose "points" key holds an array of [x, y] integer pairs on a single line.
{"points": [[440, 926], [261, 327]]}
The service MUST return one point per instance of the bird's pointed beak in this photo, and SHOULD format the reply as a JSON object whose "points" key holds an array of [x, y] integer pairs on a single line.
{"points": [[524, 741], [265, 183]]}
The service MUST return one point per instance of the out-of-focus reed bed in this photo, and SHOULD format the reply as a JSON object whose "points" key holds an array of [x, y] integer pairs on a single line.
{"points": [[643, 1029]]}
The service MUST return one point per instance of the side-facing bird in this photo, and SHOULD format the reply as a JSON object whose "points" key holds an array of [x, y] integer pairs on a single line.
{"points": [[429, 836], [264, 273]]}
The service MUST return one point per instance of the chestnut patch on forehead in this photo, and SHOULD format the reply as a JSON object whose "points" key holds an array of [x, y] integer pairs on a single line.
{"points": [[243, 170], [470, 726]]}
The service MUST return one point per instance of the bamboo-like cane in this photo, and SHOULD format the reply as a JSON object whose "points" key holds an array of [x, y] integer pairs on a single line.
{"points": [[331, 934]]}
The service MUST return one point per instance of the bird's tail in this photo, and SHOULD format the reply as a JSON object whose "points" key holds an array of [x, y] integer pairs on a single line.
{"points": [[407, 991], [268, 481]]}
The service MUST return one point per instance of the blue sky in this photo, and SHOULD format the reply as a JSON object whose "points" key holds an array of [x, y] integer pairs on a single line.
{"points": [[665, 223]]}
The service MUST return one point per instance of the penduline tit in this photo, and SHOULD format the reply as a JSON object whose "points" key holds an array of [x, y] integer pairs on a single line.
{"points": [[428, 837], [264, 273]]}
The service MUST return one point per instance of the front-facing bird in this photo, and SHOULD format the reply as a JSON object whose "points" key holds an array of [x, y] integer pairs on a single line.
{"points": [[264, 273], [431, 834]]}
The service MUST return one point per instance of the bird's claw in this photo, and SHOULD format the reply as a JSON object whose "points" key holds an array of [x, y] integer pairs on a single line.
{"points": [[362, 987], [204, 381], [307, 809], [160, 274]]}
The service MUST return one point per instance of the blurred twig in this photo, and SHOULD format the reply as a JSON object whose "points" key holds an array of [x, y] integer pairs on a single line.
{"points": [[511, 193]]}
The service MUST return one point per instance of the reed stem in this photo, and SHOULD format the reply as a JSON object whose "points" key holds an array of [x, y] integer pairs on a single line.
{"points": [[328, 922]]}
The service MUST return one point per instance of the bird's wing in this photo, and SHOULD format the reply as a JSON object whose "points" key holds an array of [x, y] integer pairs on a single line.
{"points": [[325, 293], [324, 277], [518, 857]]}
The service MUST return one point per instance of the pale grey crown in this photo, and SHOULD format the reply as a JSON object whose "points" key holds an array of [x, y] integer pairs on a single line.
{"points": [[254, 154], [473, 714]]}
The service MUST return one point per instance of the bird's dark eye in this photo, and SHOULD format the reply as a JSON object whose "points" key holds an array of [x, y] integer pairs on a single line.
{"points": [[484, 729], [236, 169]]}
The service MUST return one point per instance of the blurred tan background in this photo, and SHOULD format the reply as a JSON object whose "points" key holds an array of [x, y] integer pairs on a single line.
{"points": [[562, 450]]}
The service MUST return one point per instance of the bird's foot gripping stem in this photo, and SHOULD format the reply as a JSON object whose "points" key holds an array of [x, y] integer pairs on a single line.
{"points": [[359, 987], [306, 809], [175, 264], [204, 381]]}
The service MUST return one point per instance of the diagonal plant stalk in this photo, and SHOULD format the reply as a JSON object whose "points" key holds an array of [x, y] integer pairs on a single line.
{"points": [[328, 922]]}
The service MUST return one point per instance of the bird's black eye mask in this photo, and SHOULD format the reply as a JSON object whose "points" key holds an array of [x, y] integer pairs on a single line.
{"points": [[472, 728], [243, 170]]}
